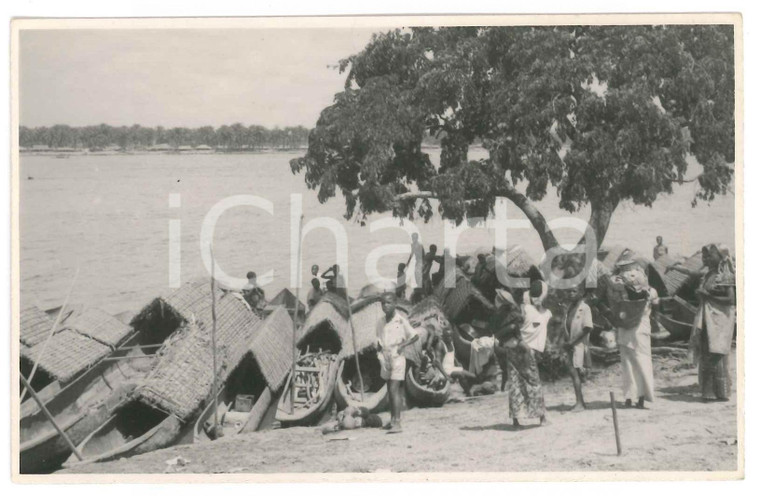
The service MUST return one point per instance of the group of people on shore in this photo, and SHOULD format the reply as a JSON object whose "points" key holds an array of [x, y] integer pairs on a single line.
{"points": [[517, 332]]}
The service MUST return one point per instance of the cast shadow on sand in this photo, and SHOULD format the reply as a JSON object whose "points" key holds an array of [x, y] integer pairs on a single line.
{"points": [[590, 405], [686, 394], [499, 427]]}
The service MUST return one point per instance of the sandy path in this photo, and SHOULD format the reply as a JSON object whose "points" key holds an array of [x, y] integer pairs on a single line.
{"points": [[679, 432]]}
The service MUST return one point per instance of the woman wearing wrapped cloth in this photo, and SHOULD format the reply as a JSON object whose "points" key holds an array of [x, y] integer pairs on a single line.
{"points": [[634, 332], [526, 397], [713, 327]]}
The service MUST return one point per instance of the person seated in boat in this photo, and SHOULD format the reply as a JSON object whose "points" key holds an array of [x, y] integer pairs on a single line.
{"points": [[254, 294], [315, 293], [578, 326], [401, 280], [394, 333], [353, 417]]}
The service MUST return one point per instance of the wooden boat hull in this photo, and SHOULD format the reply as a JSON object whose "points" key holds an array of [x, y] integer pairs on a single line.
{"points": [[250, 422], [79, 409], [312, 415], [462, 346], [105, 443], [423, 396], [374, 402], [679, 320]]}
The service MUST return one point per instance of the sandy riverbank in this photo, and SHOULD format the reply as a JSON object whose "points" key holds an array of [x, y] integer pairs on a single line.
{"points": [[677, 433]]}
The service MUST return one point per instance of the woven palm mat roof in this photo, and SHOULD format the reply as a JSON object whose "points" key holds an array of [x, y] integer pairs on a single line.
{"points": [[67, 354], [287, 299], [99, 325], [34, 325], [519, 261], [459, 297], [365, 320], [182, 380], [272, 347], [331, 309], [673, 279], [192, 298]]}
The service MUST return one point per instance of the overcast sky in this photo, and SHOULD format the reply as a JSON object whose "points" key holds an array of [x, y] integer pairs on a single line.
{"points": [[190, 78]]}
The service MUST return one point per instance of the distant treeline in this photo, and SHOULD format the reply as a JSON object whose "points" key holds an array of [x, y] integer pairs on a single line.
{"points": [[234, 137]]}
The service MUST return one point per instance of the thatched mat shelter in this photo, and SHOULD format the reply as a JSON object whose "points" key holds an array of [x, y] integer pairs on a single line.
{"points": [[677, 283], [271, 347], [326, 325], [34, 325], [286, 299], [86, 337], [465, 301], [67, 354], [181, 380]]}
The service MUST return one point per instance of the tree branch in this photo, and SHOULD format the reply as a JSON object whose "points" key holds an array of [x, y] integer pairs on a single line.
{"points": [[536, 218]]}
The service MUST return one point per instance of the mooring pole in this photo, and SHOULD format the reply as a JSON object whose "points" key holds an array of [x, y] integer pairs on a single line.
{"points": [[50, 335], [213, 342], [50, 417], [356, 351], [295, 320], [615, 423]]}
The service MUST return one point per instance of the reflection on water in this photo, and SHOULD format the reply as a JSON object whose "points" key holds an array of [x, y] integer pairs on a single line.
{"points": [[109, 215]]}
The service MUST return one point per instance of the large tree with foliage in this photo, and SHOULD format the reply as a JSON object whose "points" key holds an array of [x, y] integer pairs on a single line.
{"points": [[605, 114]]}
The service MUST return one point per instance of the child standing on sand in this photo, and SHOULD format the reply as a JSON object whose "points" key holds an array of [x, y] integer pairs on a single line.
{"points": [[578, 326]]}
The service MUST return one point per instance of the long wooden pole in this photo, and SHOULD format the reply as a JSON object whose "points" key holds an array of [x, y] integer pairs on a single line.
{"points": [[50, 417], [356, 350], [295, 319], [213, 341], [50, 334], [615, 423]]}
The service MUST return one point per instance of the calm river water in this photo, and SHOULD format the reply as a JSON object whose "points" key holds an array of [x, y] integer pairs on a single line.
{"points": [[109, 216]]}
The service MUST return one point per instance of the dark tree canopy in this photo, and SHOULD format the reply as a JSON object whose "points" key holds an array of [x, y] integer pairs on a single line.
{"points": [[602, 113]]}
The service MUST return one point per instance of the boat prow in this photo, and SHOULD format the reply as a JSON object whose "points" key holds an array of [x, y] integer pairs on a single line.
{"points": [[134, 429], [374, 401], [423, 395]]}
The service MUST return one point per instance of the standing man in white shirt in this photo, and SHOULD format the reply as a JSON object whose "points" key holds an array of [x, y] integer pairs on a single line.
{"points": [[394, 332]]}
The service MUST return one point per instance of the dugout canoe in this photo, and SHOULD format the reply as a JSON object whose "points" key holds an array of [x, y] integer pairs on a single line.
{"points": [[678, 318], [315, 378], [81, 404], [251, 389], [325, 334], [424, 396], [367, 313], [162, 410], [79, 408]]}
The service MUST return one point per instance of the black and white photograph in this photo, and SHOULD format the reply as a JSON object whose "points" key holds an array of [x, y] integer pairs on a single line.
{"points": [[377, 247]]}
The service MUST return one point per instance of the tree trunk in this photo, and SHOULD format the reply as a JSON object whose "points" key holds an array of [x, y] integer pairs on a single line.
{"points": [[599, 220], [536, 218]]}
